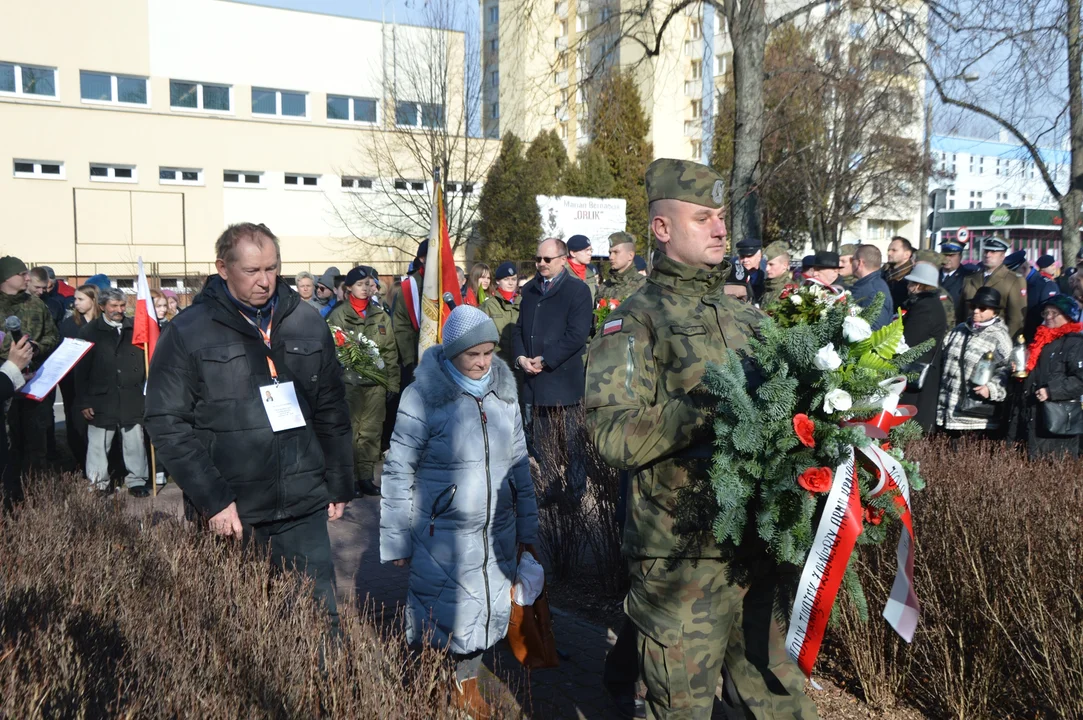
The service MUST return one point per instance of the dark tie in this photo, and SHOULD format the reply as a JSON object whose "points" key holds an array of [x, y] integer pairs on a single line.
{"points": [[545, 286]]}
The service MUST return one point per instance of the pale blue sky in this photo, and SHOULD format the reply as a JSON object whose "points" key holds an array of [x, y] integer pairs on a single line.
{"points": [[404, 11]]}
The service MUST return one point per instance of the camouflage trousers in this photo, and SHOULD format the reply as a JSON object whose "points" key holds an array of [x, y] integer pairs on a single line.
{"points": [[693, 625], [367, 410]]}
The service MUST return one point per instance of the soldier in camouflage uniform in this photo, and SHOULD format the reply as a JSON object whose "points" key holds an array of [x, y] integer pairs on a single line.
{"points": [[30, 421], [623, 278], [846, 269], [778, 272], [647, 416], [502, 306], [367, 400]]}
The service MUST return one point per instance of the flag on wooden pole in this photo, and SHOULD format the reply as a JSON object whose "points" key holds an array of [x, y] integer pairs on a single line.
{"points": [[440, 275], [145, 334]]}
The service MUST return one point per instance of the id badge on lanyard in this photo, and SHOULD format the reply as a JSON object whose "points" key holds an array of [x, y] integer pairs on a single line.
{"points": [[280, 399]]}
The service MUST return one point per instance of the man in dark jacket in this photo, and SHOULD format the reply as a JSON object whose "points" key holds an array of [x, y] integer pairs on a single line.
{"points": [[109, 393], [549, 340], [952, 270], [866, 264], [900, 257], [274, 475]]}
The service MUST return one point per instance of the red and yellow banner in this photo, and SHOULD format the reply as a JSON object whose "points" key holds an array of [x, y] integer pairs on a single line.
{"points": [[440, 277]]}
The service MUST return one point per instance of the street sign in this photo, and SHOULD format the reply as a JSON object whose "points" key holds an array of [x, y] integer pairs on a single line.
{"points": [[962, 235], [999, 217]]}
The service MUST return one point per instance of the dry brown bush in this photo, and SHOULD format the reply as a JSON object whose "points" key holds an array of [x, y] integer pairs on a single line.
{"points": [[105, 615], [1000, 578]]}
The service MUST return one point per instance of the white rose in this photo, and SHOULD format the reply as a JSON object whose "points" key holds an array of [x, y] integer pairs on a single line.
{"points": [[902, 347], [837, 400], [827, 359], [855, 329], [796, 299]]}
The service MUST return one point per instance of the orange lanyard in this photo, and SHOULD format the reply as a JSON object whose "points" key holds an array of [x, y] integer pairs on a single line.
{"points": [[266, 341]]}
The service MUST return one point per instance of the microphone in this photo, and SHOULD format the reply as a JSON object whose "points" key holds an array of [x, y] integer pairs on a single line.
{"points": [[448, 298], [14, 327]]}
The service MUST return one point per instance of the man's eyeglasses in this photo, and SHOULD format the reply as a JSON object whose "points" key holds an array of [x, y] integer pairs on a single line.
{"points": [[542, 260]]}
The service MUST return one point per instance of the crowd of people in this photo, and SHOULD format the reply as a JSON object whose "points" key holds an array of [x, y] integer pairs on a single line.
{"points": [[269, 436]]}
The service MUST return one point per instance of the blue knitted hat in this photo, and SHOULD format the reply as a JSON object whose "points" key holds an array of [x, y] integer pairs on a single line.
{"points": [[466, 327]]}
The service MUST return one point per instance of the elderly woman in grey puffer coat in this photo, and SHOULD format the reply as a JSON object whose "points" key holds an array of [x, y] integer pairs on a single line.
{"points": [[458, 499]]}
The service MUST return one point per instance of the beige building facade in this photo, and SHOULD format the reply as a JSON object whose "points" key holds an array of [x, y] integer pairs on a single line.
{"points": [[141, 128]]}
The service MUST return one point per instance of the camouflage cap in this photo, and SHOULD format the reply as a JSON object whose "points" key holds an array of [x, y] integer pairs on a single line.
{"points": [[621, 238], [847, 249], [929, 256], [775, 249], [669, 179]]}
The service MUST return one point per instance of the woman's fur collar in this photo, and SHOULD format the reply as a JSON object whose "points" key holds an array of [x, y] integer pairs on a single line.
{"points": [[437, 388]]}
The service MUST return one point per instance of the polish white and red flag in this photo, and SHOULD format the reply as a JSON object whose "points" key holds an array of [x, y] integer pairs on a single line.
{"points": [[145, 332]]}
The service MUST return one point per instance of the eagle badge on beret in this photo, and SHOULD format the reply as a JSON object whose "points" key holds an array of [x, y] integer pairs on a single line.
{"points": [[718, 192]]}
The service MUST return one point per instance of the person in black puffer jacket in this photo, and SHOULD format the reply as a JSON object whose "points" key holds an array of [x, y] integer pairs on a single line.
{"points": [[924, 318], [1055, 364], [209, 378]]}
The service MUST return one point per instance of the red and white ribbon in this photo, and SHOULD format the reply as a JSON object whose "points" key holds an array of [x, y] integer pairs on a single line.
{"points": [[840, 525]]}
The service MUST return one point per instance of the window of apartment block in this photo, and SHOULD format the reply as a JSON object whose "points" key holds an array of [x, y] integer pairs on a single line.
{"points": [[494, 44], [299, 180], [351, 109], [27, 80], [180, 176], [607, 13], [267, 101], [406, 185], [242, 178], [695, 29], [494, 14], [697, 107], [564, 28], [719, 64], [998, 167], [187, 95], [350, 182], [973, 164], [580, 23], [494, 78], [38, 169], [494, 110], [981, 165], [564, 131], [697, 69], [106, 88], [415, 114], [697, 149], [101, 172]]}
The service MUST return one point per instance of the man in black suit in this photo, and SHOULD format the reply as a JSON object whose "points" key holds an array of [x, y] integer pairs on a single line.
{"points": [[549, 341]]}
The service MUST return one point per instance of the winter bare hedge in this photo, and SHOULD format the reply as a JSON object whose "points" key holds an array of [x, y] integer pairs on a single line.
{"points": [[1000, 577], [106, 615]]}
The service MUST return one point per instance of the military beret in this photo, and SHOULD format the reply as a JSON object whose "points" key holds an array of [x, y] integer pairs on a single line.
{"points": [[995, 244], [749, 247], [1014, 260], [356, 275], [505, 270], [847, 249], [775, 249], [423, 250], [578, 242], [621, 238], [929, 256], [1045, 261], [670, 179], [641, 264]]}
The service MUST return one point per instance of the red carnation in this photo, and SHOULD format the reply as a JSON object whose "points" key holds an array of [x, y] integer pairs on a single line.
{"points": [[804, 428], [873, 515], [614, 304], [602, 304], [815, 480], [340, 338]]}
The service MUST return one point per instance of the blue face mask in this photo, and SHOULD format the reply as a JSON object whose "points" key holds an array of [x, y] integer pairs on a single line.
{"points": [[477, 388]]}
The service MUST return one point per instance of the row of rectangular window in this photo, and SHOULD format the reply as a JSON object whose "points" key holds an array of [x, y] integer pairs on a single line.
{"points": [[194, 176], [132, 90]]}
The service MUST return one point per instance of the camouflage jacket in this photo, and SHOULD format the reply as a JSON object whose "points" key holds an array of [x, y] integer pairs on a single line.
{"points": [[503, 313], [649, 357], [772, 289], [37, 324], [619, 285], [376, 326]]}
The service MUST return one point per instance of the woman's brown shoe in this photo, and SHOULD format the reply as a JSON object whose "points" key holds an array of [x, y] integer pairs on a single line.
{"points": [[466, 696]]}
